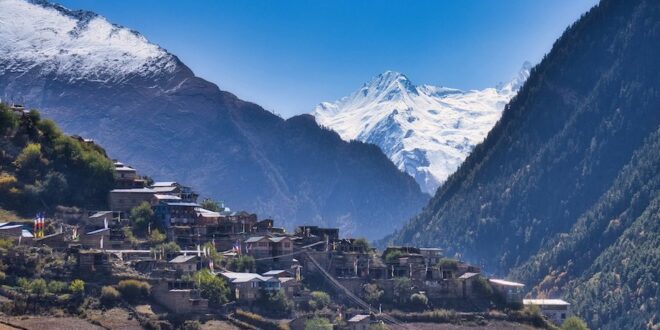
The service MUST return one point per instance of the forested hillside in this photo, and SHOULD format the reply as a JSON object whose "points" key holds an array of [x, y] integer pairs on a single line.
{"points": [[564, 190], [41, 168]]}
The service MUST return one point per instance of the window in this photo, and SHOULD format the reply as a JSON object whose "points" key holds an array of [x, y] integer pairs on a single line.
{"points": [[563, 316], [287, 245]]}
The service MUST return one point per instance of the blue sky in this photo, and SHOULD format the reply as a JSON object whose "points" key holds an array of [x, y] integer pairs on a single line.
{"points": [[289, 55]]}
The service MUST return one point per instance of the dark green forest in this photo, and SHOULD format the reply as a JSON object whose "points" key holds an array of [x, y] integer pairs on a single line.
{"points": [[41, 168], [563, 193]]}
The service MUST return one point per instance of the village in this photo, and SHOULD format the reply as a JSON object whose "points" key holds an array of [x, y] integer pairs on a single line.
{"points": [[161, 234]]}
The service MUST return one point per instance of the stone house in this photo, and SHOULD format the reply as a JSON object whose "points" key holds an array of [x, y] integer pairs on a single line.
{"points": [[184, 264], [124, 200], [180, 297], [248, 287], [96, 239], [556, 310]]}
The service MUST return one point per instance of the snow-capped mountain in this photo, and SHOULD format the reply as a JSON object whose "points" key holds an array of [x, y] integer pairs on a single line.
{"points": [[427, 131], [56, 40], [147, 108]]}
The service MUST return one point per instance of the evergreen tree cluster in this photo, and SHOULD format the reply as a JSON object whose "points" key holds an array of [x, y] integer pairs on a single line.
{"points": [[41, 168]]}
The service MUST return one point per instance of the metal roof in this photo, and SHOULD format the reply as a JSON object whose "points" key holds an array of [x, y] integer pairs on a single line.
{"points": [[167, 197], [182, 204], [505, 282], [245, 277], [93, 232], [358, 318], [163, 184], [134, 190], [546, 302], [182, 259]]}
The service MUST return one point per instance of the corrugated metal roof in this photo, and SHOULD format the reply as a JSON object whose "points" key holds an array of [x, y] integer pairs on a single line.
{"points": [[505, 282], [546, 302]]}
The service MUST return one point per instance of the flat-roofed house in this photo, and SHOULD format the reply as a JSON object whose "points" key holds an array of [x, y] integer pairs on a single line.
{"points": [[179, 296], [173, 188], [12, 231], [276, 248], [185, 264], [359, 322], [125, 199], [96, 239], [556, 310], [247, 287], [177, 213]]}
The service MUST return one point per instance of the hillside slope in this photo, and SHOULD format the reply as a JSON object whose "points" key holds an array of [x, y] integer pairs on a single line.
{"points": [[41, 168], [568, 176], [108, 83]]}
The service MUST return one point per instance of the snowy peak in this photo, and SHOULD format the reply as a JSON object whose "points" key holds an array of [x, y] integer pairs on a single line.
{"points": [[514, 85], [74, 44], [387, 86], [427, 131]]}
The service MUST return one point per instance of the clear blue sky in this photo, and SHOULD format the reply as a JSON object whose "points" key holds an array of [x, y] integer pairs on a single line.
{"points": [[289, 55]]}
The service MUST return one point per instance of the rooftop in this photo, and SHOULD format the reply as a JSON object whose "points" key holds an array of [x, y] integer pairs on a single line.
{"points": [[546, 302], [244, 277], [134, 190], [358, 318], [167, 197], [182, 259], [100, 214], [94, 232], [468, 275], [183, 204], [505, 282], [165, 188], [164, 184], [276, 272]]}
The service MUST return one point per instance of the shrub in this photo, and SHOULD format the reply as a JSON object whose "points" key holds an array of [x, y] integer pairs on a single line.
{"points": [[212, 287], [402, 288], [378, 326], [372, 293], [77, 286], [393, 256], [256, 321], [574, 323], [277, 303], [57, 287], [210, 205], [109, 296], [319, 300], [168, 248], [141, 216], [447, 263], [318, 323], [361, 243], [156, 237], [134, 290], [3, 276], [242, 264], [38, 287], [419, 301], [191, 325]]}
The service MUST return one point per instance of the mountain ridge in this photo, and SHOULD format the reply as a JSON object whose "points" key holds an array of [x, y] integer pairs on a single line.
{"points": [[563, 192], [427, 131]]}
